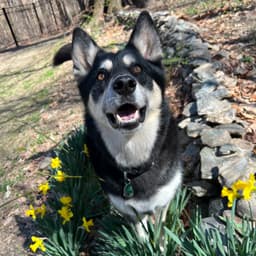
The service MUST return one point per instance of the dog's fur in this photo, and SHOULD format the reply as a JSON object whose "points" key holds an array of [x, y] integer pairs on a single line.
{"points": [[131, 134]]}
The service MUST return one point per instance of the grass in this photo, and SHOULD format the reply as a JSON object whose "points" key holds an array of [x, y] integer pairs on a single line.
{"points": [[109, 233]]}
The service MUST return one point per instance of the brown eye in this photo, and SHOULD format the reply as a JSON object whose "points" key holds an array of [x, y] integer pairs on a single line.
{"points": [[136, 69], [101, 76]]}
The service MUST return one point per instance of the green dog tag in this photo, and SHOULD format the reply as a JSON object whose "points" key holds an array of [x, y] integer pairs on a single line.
{"points": [[128, 191]]}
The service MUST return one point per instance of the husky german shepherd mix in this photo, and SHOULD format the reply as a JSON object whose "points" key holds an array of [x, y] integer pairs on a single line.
{"points": [[131, 134]]}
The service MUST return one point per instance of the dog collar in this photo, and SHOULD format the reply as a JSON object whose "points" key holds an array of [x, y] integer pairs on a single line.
{"points": [[128, 190]]}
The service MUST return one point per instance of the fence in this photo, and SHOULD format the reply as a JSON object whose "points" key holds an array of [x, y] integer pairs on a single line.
{"points": [[24, 24]]}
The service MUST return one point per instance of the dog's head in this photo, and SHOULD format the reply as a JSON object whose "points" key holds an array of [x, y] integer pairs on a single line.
{"points": [[121, 90]]}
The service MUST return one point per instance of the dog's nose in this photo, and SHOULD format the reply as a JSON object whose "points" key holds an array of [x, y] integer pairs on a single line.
{"points": [[124, 85]]}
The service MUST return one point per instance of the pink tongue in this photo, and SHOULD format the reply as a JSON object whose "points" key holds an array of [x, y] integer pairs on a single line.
{"points": [[127, 117]]}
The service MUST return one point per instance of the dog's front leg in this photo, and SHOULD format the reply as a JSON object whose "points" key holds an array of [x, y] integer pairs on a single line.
{"points": [[142, 227]]}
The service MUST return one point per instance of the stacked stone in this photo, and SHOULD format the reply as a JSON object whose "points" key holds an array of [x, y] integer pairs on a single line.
{"points": [[215, 151]]}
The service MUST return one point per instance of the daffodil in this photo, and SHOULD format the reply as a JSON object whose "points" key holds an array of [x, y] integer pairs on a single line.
{"points": [[87, 224], [56, 163], [60, 176], [245, 187], [43, 188], [37, 244], [231, 194], [41, 210], [31, 212], [250, 187], [86, 151], [66, 213], [66, 201]]}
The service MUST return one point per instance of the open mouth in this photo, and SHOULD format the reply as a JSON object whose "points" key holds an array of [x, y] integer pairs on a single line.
{"points": [[127, 116]]}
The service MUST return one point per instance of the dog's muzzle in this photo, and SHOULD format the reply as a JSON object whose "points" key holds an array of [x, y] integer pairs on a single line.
{"points": [[128, 115]]}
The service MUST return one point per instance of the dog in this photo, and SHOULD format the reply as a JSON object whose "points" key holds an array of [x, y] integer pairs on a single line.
{"points": [[131, 134]]}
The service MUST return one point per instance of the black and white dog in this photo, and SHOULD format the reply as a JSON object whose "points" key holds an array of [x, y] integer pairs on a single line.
{"points": [[131, 134]]}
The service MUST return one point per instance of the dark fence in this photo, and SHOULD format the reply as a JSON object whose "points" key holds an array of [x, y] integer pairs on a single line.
{"points": [[25, 24]]}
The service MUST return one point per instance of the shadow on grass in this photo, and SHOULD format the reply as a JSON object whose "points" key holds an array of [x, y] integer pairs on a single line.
{"points": [[7, 75]]}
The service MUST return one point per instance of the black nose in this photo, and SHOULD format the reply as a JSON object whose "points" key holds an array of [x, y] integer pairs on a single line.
{"points": [[124, 85]]}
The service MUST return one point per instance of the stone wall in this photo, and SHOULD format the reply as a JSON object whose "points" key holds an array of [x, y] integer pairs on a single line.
{"points": [[215, 153]]}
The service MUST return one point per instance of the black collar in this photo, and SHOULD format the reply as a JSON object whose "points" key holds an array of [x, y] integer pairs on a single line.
{"points": [[130, 174]]}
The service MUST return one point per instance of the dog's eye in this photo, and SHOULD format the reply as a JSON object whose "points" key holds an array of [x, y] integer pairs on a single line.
{"points": [[136, 69], [101, 76]]}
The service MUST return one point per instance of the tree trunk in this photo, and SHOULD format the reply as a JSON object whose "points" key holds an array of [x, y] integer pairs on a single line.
{"points": [[114, 6], [98, 11]]}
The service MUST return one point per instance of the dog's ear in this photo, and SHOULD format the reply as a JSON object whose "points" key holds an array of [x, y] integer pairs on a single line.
{"points": [[146, 39], [84, 51]]}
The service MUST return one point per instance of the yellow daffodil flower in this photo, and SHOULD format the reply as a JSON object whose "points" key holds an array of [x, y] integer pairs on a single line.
{"points": [[43, 188], [60, 176], [240, 189], [66, 200], [86, 151], [87, 224], [41, 210], [31, 212], [230, 194], [37, 244], [250, 187], [55, 163], [66, 213]]}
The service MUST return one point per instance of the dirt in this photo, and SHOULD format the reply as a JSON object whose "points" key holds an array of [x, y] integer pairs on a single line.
{"points": [[40, 105]]}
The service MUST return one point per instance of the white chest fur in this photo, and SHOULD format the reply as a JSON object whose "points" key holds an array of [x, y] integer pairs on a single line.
{"points": [[159, 200], [133, 150]]}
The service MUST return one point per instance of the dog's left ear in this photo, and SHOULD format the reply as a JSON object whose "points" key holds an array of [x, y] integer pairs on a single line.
{"points": [[146, 39]]}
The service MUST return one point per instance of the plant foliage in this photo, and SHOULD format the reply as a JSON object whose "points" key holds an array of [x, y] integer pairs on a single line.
{"points": [[74, 188]]}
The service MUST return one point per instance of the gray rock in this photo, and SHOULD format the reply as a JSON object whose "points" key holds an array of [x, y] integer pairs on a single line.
{"points": [[245, 147], [198, 62], [227, 169], [206, 88], [238, 146], [232, 169], [222, 93], [216, 206], [195, 88], [169, 51], [215, 137], [196, 43], [246, 208], [223, 117], [211, 106], [201, 53], [212, 224], [194, 129], [181, 36], [209, 163], [204, 72], [190, 109], [202, 188], [227, 149], [187, 27], [184, 123], [233, 129], [225, 80]]}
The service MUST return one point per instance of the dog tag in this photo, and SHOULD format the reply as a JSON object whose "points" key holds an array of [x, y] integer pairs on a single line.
{"points": [[128, 191]]}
